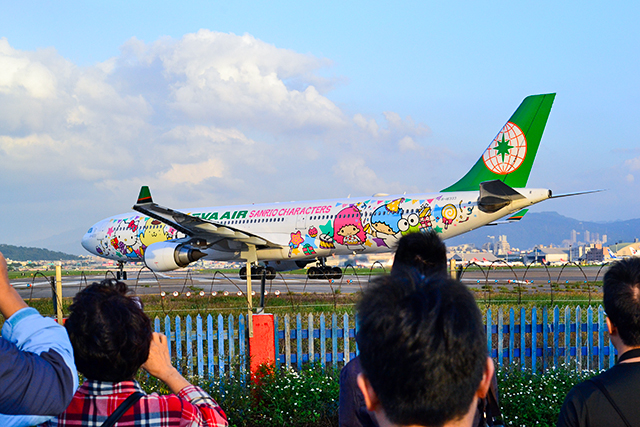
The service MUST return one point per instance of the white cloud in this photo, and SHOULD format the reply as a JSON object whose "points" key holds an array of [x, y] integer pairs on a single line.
{"points": [[207, 118], [633, 164], [408, 144]]}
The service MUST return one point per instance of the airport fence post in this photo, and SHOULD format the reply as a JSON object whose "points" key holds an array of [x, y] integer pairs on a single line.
{"points": [[59, 292]]}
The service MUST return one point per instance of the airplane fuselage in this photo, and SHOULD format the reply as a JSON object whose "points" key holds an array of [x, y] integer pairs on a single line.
{"points": [[308, 230]]}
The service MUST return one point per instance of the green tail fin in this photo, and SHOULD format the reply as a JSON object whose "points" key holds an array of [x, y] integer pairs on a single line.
{"points": [[144, 196], [510, 155]]}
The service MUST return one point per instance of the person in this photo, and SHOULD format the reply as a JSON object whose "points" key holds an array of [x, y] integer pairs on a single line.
{"points": [[37, 372], [427, 253], [112, 338], [613, 397], [423, 351]]}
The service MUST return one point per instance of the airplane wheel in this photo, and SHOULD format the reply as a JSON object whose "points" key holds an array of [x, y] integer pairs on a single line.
{"points": [[256, 273], [117, 275], [313, 273], [124, 275], [337, 273], [271, 273], [243, 273]]}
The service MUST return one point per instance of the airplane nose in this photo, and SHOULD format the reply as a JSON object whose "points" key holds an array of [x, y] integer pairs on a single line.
{"points": [[88, 241]]}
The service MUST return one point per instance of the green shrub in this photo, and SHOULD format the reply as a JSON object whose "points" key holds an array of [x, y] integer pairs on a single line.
{"points": [[285, 397], [529, 399]]}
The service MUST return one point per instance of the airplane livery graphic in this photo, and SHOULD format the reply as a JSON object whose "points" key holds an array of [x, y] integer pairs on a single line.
{"points": [[286, 236]]}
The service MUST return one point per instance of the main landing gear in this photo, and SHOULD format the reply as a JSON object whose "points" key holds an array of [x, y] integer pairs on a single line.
{"points": [[256, 273], [322, 271], [121, 273]]}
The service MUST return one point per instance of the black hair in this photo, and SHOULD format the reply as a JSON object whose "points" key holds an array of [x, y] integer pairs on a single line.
{"points": [[109, 332], [423, 251], [422, 347], [621, 289]]}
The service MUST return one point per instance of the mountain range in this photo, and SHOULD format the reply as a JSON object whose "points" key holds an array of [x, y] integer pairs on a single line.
{"points": [[546, 228]]}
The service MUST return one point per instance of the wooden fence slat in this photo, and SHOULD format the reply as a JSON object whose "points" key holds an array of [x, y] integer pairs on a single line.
{"points": [[299, 341], [287, 342], [567, 336], [210, 354], [545, 339], [220, 346], [600, 338], [534, 339], [242, 346], [523, 335], [334, 340], [178, 344], [189, 346], [589, 337], [277, 339], [578, 339], [231, 343], [199, 349], [323, 342], [346, 337], [312, 355], [500, 337], [512, 330], [556, 335], [167, 332], [488, 328]]}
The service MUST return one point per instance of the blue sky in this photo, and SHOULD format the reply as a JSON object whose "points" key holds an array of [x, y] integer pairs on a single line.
{"points": [[206, 102]]}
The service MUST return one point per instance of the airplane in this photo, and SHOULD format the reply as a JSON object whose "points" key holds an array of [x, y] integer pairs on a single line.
{"points": [[274, 237]]}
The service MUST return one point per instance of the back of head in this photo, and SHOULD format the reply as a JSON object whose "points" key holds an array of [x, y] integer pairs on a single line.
{"points": [[423, 251], [621, 291], [422, 347], [109, 331]]}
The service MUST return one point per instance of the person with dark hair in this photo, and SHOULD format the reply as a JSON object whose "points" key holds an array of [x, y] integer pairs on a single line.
{"points": [[425, 252], [613, 397], [112, 338], [423, 351], [422, 251], [37, 372]]}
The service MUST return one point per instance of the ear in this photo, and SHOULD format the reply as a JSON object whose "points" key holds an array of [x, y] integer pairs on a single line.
{"points": [[613, 330], [487, 376], [370, 396]]}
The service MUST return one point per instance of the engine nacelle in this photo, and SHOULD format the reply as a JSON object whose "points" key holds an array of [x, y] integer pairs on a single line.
{"points": [[167, 256], [287, 265]]}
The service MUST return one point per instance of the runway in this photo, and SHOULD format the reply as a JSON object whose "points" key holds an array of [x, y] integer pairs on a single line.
{"points": [[145, 282]]}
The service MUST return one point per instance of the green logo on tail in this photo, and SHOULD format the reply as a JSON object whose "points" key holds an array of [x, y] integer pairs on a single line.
{"points": [[510, 155]]}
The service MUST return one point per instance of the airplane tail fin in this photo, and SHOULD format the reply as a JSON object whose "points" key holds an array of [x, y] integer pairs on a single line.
{"points": [[510, 155]]}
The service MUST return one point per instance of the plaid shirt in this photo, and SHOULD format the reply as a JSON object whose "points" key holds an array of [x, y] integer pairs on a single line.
{"points": [[94, 401]]}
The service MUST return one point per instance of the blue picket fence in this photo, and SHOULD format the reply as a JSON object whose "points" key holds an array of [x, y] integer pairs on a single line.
{"points": [[537, 338]]}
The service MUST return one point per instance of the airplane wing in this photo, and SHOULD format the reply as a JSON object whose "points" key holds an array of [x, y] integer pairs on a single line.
{"points": [[209, 233]]}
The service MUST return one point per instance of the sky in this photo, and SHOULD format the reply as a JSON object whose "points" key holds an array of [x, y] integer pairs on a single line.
{"points": [[218, 103]]}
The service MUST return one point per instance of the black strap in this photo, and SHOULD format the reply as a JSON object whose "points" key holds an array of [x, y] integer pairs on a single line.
{"points": [[122, 408], [604, 391]]}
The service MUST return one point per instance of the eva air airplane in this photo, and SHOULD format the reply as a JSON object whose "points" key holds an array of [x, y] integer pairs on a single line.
{"points": [[285, 236]]}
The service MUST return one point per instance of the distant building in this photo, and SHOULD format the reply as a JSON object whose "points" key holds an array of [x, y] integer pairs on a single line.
{"points": [[595, 253]]}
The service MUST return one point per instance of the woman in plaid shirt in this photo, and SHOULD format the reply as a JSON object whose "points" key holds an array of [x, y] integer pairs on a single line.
{"points": [[112, 338]]}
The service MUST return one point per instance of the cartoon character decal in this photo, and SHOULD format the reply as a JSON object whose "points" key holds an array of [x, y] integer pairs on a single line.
{"points": [[153, 232], [384, 223], [449, 214], [410, 224], [348, 229], [425, 217]]}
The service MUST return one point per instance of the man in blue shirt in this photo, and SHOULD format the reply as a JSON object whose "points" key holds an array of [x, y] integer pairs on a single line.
{"points": [[37, 373]]}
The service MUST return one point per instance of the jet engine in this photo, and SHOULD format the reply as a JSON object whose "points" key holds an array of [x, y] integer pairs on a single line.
{"points": [[166, 256]]}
